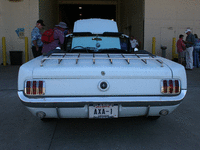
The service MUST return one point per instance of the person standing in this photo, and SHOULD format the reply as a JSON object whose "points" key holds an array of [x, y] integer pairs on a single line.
{"points": [[190, 39], [196, 51], [181, 49], [56, 45], [36, 39], [134, 43]]}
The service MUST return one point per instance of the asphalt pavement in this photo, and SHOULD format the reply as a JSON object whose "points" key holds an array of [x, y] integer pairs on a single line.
{"points": [[20, 130]]}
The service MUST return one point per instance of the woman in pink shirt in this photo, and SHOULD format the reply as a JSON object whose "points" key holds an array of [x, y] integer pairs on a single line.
{"points": [[181, 49]]}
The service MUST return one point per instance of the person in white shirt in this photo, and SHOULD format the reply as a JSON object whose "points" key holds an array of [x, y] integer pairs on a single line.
{"points": [[134, 43]]}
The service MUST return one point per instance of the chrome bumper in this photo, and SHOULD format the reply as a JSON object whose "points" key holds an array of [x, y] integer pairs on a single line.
{"points": [[49, 102], [77, 107]]}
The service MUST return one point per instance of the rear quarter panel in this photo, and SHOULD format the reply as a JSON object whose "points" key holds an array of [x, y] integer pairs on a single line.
{"points": [[178, 72], [26, 71]]}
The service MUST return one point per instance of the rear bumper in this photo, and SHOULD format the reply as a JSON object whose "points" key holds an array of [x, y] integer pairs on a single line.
{"points": [[77, 107]]}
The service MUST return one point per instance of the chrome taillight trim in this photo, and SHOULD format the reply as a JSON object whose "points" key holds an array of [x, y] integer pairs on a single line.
{"points": [[174, 81], [37, 88]]}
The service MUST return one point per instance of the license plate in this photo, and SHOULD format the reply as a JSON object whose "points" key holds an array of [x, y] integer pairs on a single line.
{"points": [[103, 111]]}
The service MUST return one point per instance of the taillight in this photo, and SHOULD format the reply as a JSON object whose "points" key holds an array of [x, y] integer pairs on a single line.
{"points": [[28, 87], [177, 86], [165, 86], [41, 87], [170, 86], [34, 87]]}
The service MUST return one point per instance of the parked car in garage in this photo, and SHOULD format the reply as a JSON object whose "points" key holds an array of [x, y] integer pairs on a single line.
{"points": [[98, 76]]}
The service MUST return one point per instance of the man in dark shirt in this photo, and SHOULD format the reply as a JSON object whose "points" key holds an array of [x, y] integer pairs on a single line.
{"points": [[36, 39], [190, 39]]}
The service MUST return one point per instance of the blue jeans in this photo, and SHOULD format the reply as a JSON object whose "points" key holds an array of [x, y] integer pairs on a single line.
{"points": [[196, 57]]}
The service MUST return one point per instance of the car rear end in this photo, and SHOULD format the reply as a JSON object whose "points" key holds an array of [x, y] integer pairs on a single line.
{"points": [[104, 86]]}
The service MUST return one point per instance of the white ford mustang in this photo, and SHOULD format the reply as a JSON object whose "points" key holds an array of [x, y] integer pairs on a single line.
{"points": [[97, 75]]}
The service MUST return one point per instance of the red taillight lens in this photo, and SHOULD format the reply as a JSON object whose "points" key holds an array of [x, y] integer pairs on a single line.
{"points": [[28, 87], [177, 87], [34, 88], [40, 87], [170, 86], [165, 86]]}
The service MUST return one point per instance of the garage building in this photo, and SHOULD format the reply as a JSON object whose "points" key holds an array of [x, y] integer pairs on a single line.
{"points": [[145, 19]]}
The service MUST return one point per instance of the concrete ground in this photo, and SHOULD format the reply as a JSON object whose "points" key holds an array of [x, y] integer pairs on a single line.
{"points": [[20, 130]]}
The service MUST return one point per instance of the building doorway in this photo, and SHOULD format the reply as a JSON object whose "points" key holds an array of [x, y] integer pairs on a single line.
{"points": [[70, 13]]}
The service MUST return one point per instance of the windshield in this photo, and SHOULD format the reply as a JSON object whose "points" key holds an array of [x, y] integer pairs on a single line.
{"points": [[108, 42]]}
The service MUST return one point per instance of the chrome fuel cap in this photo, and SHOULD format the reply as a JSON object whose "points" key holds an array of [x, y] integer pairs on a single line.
{"points": [[103, 85]]}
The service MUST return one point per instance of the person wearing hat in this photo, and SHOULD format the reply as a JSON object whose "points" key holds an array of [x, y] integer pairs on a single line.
{"points": [[190, 40], [181, 49], [36, 39], [56, 45]]}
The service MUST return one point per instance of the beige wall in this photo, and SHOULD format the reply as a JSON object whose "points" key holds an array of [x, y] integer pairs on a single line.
{"points": [[165, 19], [14, 15]]}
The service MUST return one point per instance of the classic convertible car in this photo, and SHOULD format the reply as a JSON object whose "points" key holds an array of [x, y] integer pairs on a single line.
{"points": [[97, 75]]}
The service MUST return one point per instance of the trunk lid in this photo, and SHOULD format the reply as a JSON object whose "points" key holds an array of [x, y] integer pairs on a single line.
{"points": [[81, 75]]}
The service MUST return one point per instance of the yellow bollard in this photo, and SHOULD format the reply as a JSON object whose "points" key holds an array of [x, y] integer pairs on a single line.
{"points": [[4, 50], [153, 45], [26, 49], [174, 55]]}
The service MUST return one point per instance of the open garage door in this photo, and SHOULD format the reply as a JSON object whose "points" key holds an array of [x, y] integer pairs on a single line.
{"points": [[129, 14], [70, 13]]}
